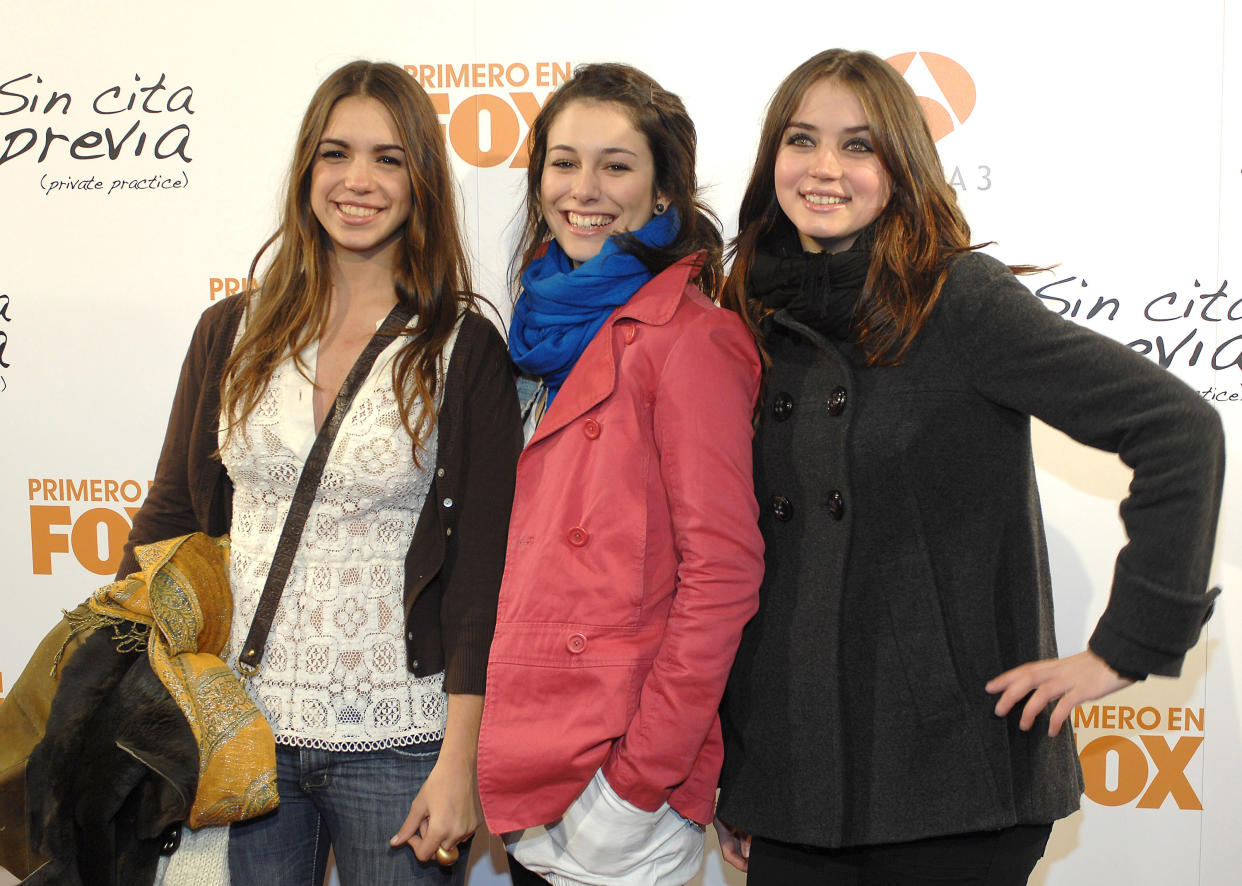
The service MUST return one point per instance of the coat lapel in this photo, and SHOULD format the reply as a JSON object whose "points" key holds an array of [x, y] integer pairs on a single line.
{"points": [[594, 376], [590, 382]]}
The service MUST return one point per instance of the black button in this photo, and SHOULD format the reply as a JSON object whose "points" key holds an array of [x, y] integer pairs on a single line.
{"points": [[836, 401], [836, 505], [782, 406], [782, 508], [170, 839]]}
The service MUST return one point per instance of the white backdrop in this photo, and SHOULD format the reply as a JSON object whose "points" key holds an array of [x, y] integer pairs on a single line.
{"points": [[1107, 144]]}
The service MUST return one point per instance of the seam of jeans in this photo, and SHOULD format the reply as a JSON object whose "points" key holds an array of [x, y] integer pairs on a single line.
{"points": [[315, 875], [405, 752]]}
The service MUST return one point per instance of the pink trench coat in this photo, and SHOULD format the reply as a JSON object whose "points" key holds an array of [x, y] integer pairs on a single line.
{"points": [[634, 559]]}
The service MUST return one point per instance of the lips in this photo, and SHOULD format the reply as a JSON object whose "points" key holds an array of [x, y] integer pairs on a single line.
{"points": [[588, 222], [355, 213], [825, 199]]}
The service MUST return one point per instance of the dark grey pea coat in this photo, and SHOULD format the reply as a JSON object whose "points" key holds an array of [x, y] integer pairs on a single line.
{"points": [[906, 566]]}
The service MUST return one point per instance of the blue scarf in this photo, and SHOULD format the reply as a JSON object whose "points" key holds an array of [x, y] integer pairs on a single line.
{"points": [[560, 307]]}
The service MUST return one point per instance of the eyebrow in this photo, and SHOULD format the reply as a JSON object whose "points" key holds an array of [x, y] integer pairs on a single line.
{"points": [[797, 124], [573, 150], [344, 144]]}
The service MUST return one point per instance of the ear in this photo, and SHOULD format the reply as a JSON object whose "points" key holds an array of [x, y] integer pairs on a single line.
{"points": [[662, 204]]}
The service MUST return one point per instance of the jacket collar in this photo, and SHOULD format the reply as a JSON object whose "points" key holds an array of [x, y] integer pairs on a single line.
{"points": [[594, 376], [840, 352]]}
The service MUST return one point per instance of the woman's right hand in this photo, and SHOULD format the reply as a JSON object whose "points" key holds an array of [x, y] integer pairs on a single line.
{"points": [[734, 845]]}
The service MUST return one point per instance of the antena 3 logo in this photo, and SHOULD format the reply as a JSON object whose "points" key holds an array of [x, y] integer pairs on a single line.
{"points": [[489, 125], [89, 519], [956, 87], [951, 103]]}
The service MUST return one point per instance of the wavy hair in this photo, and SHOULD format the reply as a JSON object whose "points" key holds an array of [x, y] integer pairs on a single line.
{"points": [[918, 232], [662, 119], [431, 273]]}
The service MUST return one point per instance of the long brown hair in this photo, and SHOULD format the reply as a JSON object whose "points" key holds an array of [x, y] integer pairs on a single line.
{"points": [[431, 273], [917, 233], [662, 119]]}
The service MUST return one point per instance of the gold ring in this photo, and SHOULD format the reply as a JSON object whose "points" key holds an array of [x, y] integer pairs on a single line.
{"points": [[447, 857]]}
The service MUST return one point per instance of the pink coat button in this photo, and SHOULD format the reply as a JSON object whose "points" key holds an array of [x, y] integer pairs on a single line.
{"points": [[577, 536], [631, 333], [576, 644], [590, 427]]}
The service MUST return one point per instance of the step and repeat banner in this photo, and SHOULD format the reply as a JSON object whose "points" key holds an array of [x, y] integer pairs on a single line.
{"points": [[143, 147]]}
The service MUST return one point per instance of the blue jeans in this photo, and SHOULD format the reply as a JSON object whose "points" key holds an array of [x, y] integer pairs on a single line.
{"points": [[351, 802]]}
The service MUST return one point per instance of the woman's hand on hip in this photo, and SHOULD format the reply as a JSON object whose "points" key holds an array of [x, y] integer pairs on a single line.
{"points": [[1070, 681]]}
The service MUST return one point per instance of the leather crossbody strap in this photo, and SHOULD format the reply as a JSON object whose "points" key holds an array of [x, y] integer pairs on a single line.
{"points": [[308, 487]]}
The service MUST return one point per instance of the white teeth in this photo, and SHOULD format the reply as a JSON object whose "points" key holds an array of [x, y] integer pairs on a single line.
{"points": [[822, 200], [356, 211], [589, 221]]}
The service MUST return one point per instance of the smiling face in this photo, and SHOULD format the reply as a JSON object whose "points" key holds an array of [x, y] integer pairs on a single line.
{"points": [[829, 181], [360, 187], [598, 178]]}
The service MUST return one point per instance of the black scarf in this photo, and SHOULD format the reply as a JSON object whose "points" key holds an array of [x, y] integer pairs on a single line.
{"points": [[819, 289]]}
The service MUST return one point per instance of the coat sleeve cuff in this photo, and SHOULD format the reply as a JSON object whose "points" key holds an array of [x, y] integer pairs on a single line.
{"points": [[627, 785], [1148, 629], [465, 666]]}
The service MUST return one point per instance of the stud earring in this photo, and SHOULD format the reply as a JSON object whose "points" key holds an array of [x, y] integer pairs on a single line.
{"points": [[659, 208]]}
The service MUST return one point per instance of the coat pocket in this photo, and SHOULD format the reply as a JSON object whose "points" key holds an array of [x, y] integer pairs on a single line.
{"points": [[560, 694], [920, 635]]}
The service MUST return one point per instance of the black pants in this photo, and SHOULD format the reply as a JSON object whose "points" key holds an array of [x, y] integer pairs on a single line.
{"points": [[522, 877], [988, 858]]}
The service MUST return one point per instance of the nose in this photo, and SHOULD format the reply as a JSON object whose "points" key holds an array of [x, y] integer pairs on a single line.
{"points": [[826, 164], [585, 185], [359, 175]]}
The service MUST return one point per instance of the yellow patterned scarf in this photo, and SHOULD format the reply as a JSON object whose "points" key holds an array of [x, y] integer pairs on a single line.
{"points": [[182, 595]]}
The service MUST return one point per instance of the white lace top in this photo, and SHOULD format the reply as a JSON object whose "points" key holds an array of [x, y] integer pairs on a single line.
{"points": [[333, 674]]}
